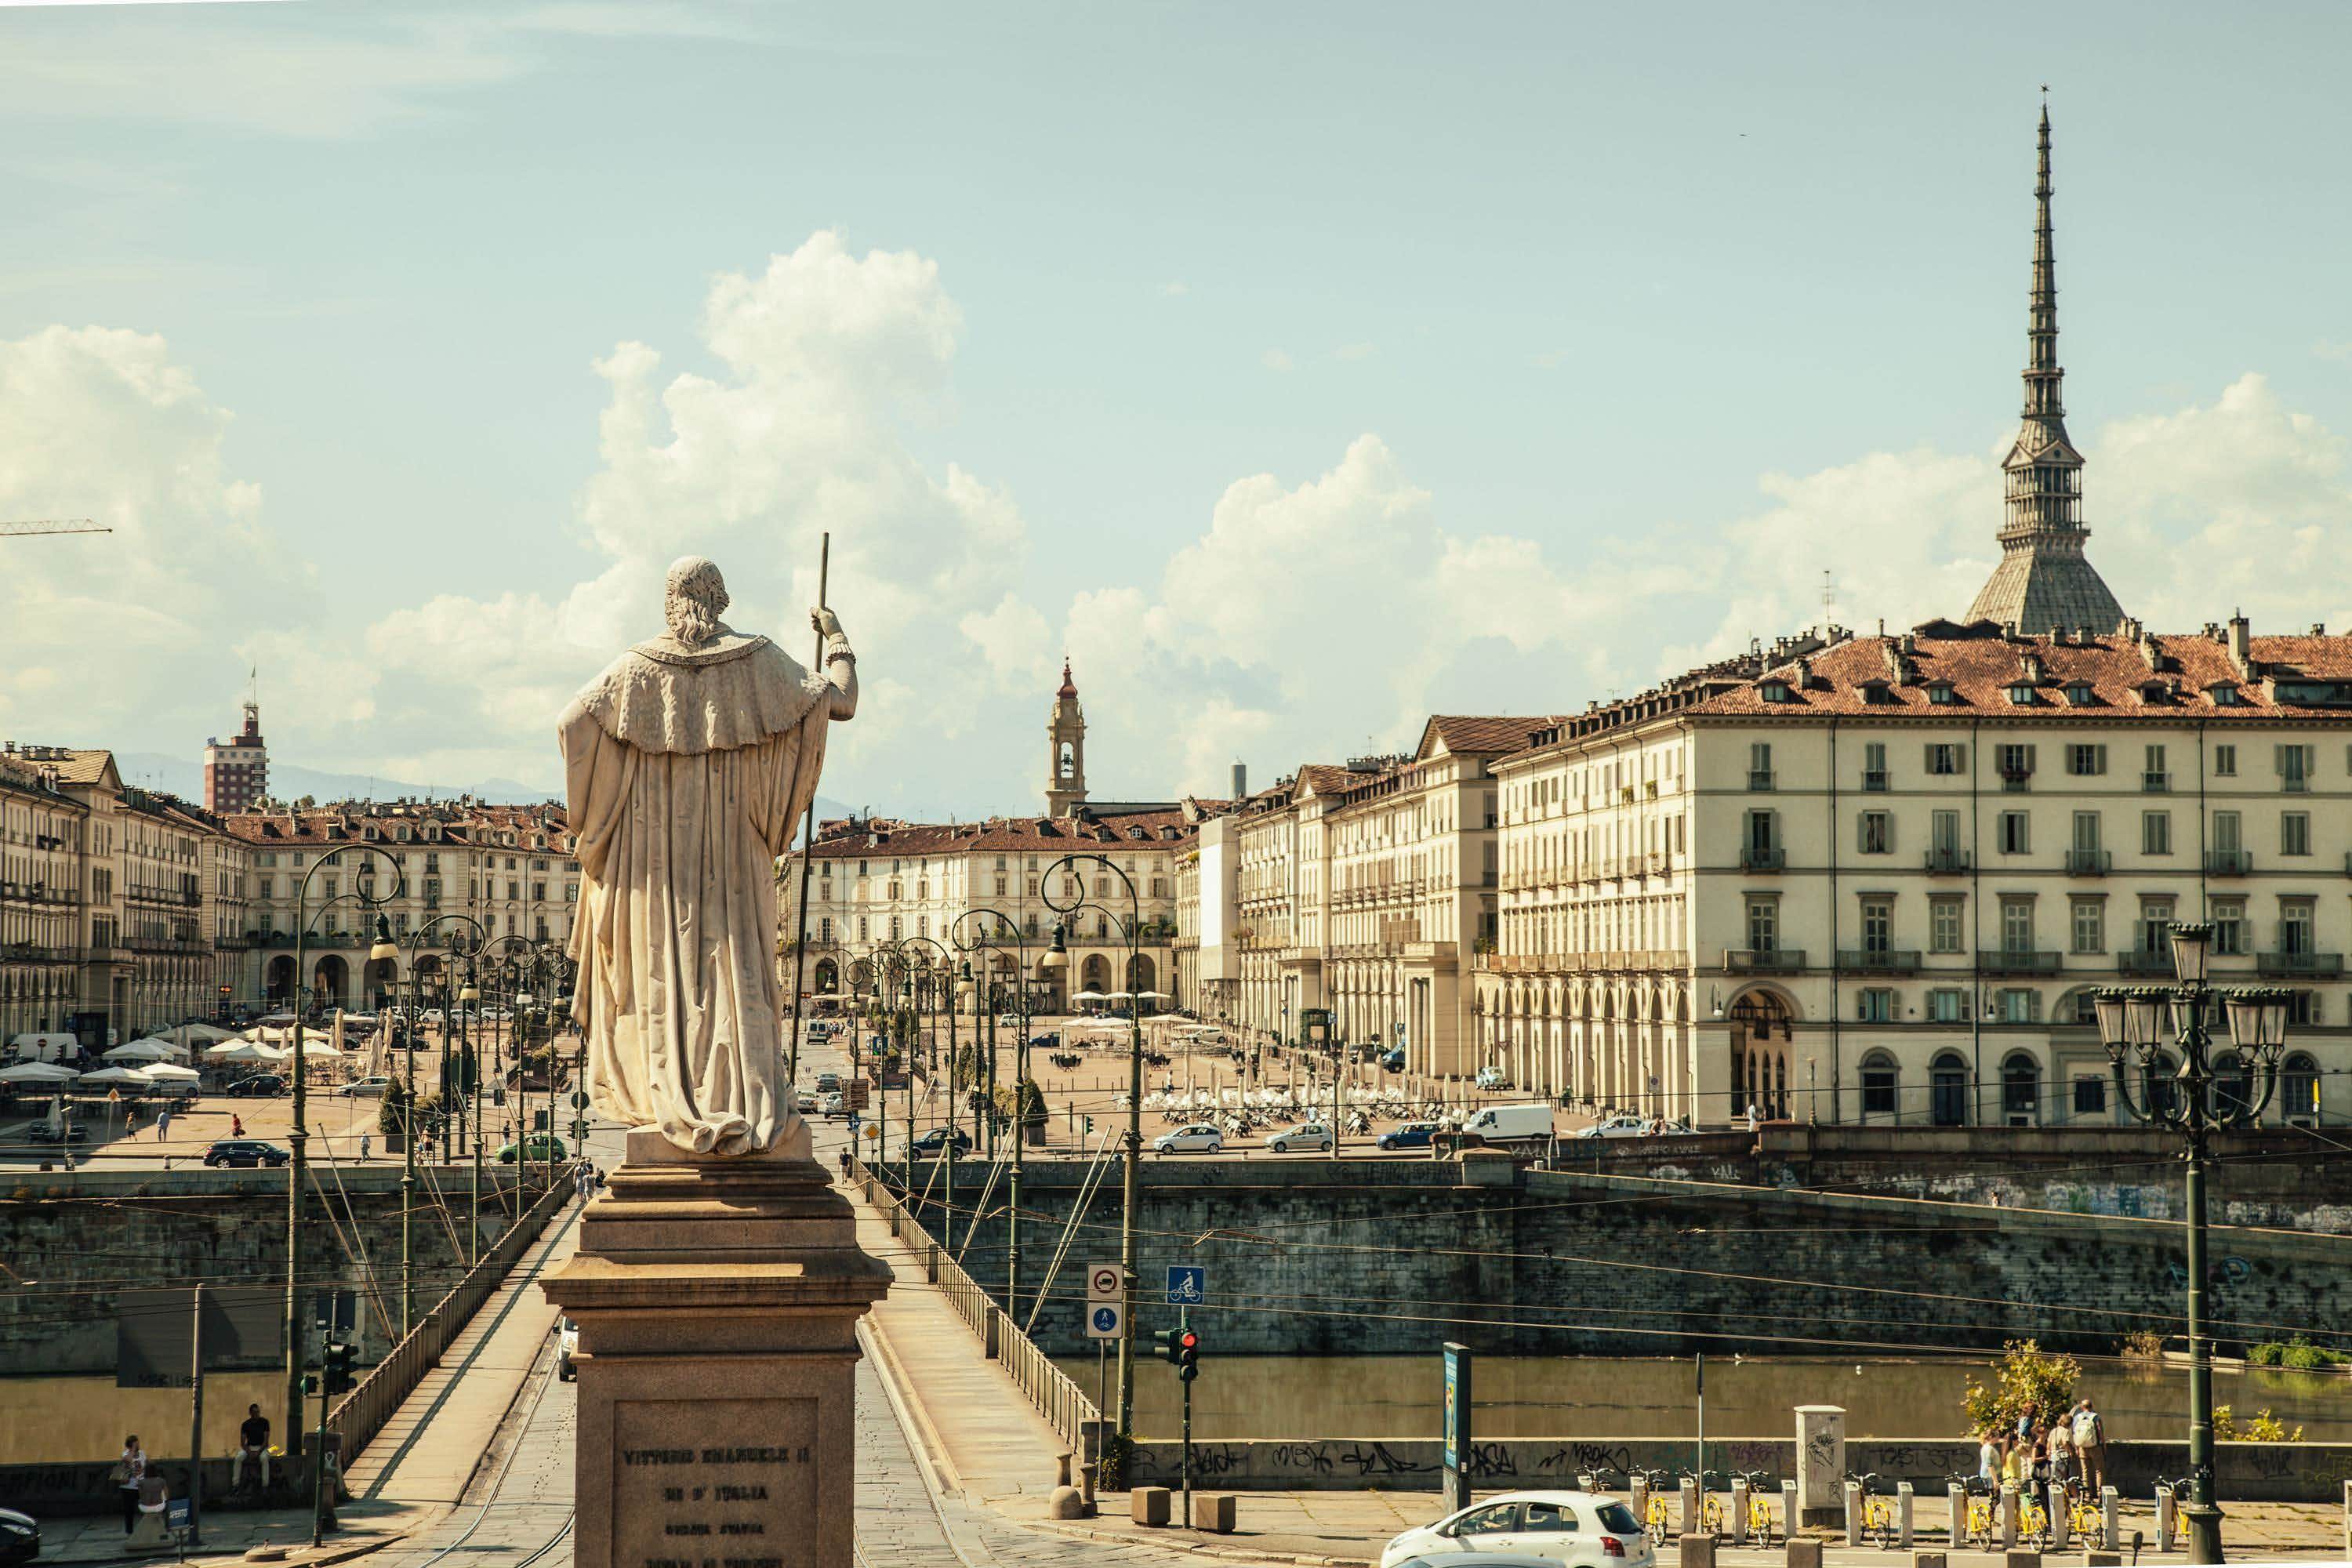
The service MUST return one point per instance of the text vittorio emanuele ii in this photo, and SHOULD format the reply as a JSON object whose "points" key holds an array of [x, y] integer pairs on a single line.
{"points": [[727, 1491]]}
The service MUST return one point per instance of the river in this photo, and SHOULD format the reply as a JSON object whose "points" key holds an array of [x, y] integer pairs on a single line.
{"points": [[1569, 1396]]}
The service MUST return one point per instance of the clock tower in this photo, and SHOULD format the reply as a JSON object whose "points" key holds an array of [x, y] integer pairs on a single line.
{"points": [[1066, 769]]}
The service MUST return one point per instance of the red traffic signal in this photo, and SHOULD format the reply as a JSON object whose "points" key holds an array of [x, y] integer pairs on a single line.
{"points": [[1187, 1355]]}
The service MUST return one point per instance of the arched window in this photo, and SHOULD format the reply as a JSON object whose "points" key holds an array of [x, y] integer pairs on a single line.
{"points": [[2159, 1086], [2299, 1088], [2232, 1085], [1881, 1087], [2021, 1090], [1948, 1091]]}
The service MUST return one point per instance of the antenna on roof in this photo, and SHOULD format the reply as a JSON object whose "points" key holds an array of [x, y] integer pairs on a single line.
{"points": [[1829, 599]]}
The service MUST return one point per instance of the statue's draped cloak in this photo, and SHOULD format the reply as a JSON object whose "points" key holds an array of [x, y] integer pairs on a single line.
{"points": [[687, 773]]}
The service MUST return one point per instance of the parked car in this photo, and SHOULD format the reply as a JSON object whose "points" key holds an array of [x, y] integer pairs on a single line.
{"points": [[805, 1103], [1412, 1135], [260, 1085], [567, 1339], [936, 1140], [828, 1082], [1394, 1060], [1619, 1127], [1474, 1560], [1492, 1078], [252, 1151], [57, 1133], [1197, 1139], [540, 1146], [1577, 1529], [831, 1104], [20, 1537], [1307, 1137], [364, 1087], [1509, 1124]]}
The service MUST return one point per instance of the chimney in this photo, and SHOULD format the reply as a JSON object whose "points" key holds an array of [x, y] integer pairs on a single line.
{"points": [[1241, 780], [2241, 643]]}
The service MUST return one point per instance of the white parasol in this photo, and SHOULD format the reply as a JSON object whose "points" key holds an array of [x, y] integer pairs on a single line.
{"points": [[125, 1078], [147, 1050], [38, 1072], [167, 1072]]}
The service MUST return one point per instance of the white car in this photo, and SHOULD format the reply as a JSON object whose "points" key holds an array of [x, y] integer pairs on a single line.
{"points": [[831, 1104], [1197, 1139], [1310, 1136], [1617, 1127], [368, 1087], [1575, 1528]]}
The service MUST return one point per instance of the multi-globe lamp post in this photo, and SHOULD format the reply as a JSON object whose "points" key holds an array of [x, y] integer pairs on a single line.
{"points": [[990, 935], [2195, 1102]]}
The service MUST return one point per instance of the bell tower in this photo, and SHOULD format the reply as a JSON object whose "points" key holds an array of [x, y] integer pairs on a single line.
{"points": [[1066, 766]]}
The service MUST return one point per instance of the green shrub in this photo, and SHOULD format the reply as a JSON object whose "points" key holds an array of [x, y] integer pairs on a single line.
{"points": [[2026, 1376]]}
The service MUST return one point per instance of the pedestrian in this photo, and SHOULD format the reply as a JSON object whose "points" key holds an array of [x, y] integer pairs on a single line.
{"points": [[2061, 1451], [1989, 1459], [2091, 1447], [163, 1124], [2025, 1422], [365, 1142], [2013, 1470], [236, 1126], [129, 1471]]}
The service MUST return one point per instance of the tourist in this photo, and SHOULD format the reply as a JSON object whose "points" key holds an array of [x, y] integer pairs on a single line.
{"points": [[252, 1448], [2028, 1419], [236, 1126], [2014, 1470], [129, 1471], [2061, 1451], [163, 1124], [1988, 1460], [2091, 1447], [367, 1143]]}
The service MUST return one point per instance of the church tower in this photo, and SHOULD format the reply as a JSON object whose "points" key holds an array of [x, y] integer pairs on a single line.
{"points": [[2043, 583], [1066, 768]]}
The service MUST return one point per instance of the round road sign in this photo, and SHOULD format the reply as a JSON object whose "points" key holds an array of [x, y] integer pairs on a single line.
{"points": [[1102, 1282]]}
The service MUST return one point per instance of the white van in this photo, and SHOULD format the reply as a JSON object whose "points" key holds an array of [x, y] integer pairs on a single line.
{"points": [[1509, 1123], [50, 1047]]}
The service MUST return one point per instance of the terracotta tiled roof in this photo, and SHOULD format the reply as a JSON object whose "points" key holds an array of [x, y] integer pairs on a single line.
{"points": [[2110, 677], [462, 825], [1159, 830], [1478, 734]]}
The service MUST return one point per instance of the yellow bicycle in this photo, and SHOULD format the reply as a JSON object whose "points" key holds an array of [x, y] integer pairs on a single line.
{"points": [[1759, 1512], [1983, 1521], [1877, 1512], [1658, 1517], [2083, 1518], [2033, 1523]]}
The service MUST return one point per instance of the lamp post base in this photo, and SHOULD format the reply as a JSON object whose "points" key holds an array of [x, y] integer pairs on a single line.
{"points": [[2202, 1522]]}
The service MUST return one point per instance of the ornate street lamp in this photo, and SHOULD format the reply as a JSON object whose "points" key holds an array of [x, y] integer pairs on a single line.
{"points": [[2133, 1022]]}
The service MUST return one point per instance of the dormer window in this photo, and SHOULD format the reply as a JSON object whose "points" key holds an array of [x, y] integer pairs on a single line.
{"points": [[2078, 692], [1775, 691], [2021, 695], [2224, 695], [1941, 694], [1876, 693]]}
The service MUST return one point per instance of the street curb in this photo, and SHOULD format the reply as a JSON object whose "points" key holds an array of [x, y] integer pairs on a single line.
{"points": [[930, 1450]]}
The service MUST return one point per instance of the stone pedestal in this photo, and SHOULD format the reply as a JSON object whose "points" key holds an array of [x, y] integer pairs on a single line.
{"points": [[718, 1302], [1821, 1465]]}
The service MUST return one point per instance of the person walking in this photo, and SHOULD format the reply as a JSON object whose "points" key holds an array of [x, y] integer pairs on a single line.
{"points": [[162, 1124], [130, 1470], [365, 1143], [2091, 1447], [236, 1126], [1988, 1460], [2061, 1451]]}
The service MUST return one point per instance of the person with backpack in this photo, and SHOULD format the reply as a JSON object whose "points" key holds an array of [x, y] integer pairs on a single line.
{"points": [[2090, 1447]]}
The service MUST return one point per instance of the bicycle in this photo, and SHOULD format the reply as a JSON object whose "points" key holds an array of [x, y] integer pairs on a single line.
{"points": [[2033, 1523], [1877, 1512], [1710, 1504], [1657, 1518], [2085, 1520], [1980, 1520], [1759, 1508]]}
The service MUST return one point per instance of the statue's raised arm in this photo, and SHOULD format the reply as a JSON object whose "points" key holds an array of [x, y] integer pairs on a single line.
{"points": [[688, 764]]}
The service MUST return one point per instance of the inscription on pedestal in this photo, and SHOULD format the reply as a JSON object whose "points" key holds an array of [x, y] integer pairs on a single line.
{"points": [[714, 1483]]}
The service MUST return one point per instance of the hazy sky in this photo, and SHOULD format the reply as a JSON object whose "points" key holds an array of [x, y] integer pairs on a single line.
{"points": [[1297, 369]]}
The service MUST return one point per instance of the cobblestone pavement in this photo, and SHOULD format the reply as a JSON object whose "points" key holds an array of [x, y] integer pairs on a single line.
{"points": [[518, 1511]]}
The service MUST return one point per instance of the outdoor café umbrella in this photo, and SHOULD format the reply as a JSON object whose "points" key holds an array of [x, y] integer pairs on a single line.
{"points": [[1089, 996], [168, 1072], [38, 1072], [193, 1035], [108, 1077], [242, 1050], [147, 1050]]}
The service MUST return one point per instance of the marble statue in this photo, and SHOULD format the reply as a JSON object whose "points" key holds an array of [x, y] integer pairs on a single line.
{"points": [[688, 764]]}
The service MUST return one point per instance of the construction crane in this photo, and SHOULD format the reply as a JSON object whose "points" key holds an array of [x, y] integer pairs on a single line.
{"points": [[54, 525]]}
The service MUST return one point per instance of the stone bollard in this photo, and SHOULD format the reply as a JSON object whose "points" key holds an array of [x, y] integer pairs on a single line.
{"points": [[1696, 1552], [1149, 1505], [1956, 1496], [2019, 1559], [1214, 1511], [1689, 1517], [2111, 1535], [2168, 1518], [1852, 1514], [2060, 1523], [1903, 1499], [1739, 1511], [1805, 1553], [2103, 1560], [1928, 1559], [2008, 1517]]}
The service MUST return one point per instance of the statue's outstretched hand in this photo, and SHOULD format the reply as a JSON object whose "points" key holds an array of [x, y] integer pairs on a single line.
{"points": [[826, 623]]}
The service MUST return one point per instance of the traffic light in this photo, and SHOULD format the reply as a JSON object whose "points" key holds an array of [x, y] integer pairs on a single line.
{"points": [[338, 1368], [1187, 1355], [1163, 1343]]}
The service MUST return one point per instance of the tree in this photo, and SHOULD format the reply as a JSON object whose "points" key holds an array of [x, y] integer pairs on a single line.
{"points": [[392, 1116], [2026, 1377]]}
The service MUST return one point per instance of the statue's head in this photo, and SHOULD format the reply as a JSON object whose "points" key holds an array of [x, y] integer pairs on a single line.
{"points": [[692, 600]]}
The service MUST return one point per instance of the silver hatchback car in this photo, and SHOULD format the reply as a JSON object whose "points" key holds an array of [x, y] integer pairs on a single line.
{"points": [[1581, 1529]]}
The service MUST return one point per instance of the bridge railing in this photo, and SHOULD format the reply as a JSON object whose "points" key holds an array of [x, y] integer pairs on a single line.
{"points": [[361, 1413], [1058, 1399]]}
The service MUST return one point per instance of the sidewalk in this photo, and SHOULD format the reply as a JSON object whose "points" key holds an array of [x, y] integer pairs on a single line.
{"points": [[412, 1473]]}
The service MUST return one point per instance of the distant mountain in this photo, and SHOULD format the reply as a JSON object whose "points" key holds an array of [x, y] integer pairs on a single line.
{"points": [[289, 780]]}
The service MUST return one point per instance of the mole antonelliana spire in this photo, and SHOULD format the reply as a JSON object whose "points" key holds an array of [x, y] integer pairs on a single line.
{"points": [[2043, 582]]}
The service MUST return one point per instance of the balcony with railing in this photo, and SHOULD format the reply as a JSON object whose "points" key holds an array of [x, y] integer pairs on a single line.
{"points": [[2228, 862], [2145, 962], [2156, 782], [2281, 965], [1759, 779], [1874, 781], [1763, 960], [1762, 857], [1879, 960], [2018, 960], [2089, 862], [1946, 860]]}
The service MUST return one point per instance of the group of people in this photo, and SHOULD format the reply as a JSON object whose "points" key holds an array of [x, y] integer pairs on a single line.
{"points": [[2068, 1446]]}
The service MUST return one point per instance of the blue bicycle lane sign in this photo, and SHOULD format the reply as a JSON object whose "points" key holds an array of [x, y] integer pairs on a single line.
{"points": [[1188, 1284]]}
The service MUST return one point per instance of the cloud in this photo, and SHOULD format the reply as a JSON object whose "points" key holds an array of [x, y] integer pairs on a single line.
{"points": [[1274, 360], [1353, 351]]}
